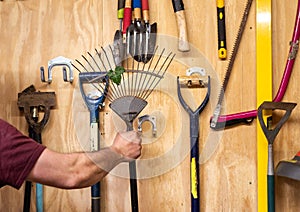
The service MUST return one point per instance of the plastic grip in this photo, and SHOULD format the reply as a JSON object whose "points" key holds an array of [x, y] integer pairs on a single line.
{"points": [[177, 5], [145, 5], [221, 33], [137, 4], [127, 19], [121, 13]]}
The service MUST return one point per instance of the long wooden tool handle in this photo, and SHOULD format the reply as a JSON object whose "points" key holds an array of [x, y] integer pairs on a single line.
{"points": [[183, 44], [222, 52]]}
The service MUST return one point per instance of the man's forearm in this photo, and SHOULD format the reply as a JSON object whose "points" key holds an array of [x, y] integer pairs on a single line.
{"points": [[74, 170]]}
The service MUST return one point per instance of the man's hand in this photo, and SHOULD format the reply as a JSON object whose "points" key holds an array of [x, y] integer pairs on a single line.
{"points": [[128, 144]]}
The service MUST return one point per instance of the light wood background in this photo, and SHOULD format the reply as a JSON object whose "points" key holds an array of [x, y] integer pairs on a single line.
{"points": [[33, 32]]}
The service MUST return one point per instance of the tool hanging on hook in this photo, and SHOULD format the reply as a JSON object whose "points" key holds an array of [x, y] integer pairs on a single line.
{"points": [[178, 7], [222, 51], [271, 133], [32, 103], [195, 82]]}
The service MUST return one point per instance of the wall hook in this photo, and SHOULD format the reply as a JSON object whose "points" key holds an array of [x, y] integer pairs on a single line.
{"points": [[58, 61], [151, 119]]}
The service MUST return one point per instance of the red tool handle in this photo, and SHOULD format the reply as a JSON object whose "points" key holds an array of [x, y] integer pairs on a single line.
{"points": [[145, 9], [127, 16]]}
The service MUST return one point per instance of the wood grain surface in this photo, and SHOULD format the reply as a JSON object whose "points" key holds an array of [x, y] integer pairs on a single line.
{"points": [[34, 32]]}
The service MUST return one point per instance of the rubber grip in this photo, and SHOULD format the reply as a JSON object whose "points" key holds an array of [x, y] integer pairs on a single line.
{"points": [[222, 52], [137, 4], [145, 5], [127, 19], [177, 5]]}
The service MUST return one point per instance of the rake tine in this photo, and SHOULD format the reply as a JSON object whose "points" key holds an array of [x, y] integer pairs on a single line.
{"points": [[99, 55], [106, 58], [150, 88], [149, 65], [147, 94], [88, 63], [143, 89], [122, 93], [115, 93], [95, 61]]}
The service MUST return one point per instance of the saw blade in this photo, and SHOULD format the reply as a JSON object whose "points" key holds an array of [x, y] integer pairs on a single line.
{"points": [[234, 52]]}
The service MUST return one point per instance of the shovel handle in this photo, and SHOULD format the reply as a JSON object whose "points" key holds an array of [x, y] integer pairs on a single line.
{"points": [[127, 16], [183, 44]]}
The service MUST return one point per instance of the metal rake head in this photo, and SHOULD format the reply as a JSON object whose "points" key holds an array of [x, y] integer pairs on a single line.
{"points": [[138, 81]]}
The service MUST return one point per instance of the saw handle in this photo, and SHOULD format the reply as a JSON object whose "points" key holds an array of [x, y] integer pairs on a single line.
{"points": [[183, 44], [222, 52]]}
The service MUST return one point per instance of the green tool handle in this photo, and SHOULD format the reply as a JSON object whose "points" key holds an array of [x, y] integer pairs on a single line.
{"points": [[271, 193], [222, 52]]}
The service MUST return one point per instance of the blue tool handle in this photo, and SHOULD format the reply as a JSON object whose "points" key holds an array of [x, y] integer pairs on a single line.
{"points": [[137, 4], [271, 193], [39, 197], [95, 193]]}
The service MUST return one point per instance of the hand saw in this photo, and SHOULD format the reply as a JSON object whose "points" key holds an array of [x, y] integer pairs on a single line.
{"points": [[236, 45]]}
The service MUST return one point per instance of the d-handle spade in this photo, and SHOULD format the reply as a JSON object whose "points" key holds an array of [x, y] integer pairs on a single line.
{"points": [[271, 133], [194, 137], [94, 101]]}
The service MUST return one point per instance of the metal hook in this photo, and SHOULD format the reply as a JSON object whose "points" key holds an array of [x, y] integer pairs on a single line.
{"points": [[151, 119], [58, 61]]}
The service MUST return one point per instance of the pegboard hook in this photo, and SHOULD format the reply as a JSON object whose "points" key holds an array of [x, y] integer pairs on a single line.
{"points": [[58, 61]]}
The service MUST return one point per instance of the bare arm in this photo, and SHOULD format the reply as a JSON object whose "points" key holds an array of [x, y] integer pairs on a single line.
{"points": [[78, 170]]}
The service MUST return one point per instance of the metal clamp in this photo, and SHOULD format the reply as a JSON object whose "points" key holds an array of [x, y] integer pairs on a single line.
{"points": [[58, 61], [195, 70], [151, 119]]}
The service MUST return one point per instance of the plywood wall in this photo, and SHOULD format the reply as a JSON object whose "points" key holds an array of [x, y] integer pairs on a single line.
{"points": [[33, 32]]}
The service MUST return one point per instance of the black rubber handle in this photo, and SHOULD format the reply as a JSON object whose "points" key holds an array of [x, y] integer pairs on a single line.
{"points": [[177, 5], [222, 52]]}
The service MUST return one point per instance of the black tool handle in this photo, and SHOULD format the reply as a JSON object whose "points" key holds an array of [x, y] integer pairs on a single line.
{"points": [[222, 52], [133, 179]]}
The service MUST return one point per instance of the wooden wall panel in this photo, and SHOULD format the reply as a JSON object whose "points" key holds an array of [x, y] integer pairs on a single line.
{"points": [[33, 32]]}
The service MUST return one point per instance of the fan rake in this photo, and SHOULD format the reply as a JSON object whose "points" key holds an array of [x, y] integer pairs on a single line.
{"points": [[127, 97]]}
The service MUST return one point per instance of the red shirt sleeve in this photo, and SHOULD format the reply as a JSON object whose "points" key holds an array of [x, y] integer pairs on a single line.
{"points": [[18, 155]]}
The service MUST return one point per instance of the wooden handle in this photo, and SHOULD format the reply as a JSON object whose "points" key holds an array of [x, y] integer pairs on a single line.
{"points": [[183, 44]]}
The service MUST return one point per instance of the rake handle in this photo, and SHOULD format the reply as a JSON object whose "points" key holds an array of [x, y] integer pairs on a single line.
{"points": [[133, 181]]}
